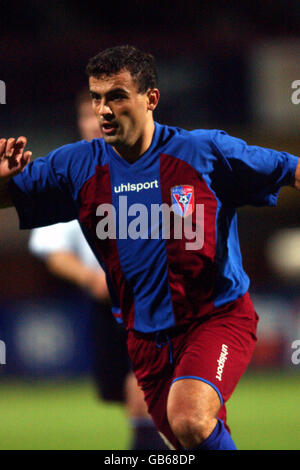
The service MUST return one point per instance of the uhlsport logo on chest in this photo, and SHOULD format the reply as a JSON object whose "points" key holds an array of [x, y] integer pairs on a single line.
{"points": [[130, 218], [183, 199]]}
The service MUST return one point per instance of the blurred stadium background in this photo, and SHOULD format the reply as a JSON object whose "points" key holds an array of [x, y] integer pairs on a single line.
{"points": [[231, 66]]}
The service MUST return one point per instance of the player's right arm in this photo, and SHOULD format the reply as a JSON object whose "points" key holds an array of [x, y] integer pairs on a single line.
{"points": [[297, 176], [46, 190], [13, 159]]}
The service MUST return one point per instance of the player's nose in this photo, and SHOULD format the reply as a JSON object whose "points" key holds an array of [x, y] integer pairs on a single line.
{"points": [[104, 109]]}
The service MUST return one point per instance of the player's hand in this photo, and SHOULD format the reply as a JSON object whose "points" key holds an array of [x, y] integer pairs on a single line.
{"points": [[13, 157]]}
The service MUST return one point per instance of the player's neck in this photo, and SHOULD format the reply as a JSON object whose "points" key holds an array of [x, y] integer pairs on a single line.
{"points": [[131, 153]]}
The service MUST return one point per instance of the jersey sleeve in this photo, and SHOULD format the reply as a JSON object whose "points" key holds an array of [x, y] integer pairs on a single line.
{"points": [[46, 240], [46, 192], [245, 174]]}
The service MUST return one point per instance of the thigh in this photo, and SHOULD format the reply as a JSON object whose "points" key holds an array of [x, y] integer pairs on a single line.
{"points": [[219, 350], [155, 374]]}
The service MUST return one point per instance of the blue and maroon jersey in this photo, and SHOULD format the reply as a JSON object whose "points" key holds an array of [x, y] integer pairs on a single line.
{"points": [[154, 279]]}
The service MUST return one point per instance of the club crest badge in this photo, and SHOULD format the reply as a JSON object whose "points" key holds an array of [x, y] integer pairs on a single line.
{"points": [[183, 200]]}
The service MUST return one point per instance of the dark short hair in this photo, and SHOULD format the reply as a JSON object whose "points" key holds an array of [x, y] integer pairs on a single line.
{"points": [[111, 61]]}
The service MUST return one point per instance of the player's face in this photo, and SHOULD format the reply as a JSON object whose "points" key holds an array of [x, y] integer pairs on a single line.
{"points": [[122, 112], [87, 122]]}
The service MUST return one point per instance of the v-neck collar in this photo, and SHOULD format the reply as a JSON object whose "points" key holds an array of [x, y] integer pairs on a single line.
{"points": [[142, 161]]}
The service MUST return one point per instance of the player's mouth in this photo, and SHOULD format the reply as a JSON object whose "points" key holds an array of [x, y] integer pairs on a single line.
{"points": [[108, 128]]}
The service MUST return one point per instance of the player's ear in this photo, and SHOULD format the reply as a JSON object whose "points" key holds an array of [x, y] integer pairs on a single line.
{"points": [[153, 98]]}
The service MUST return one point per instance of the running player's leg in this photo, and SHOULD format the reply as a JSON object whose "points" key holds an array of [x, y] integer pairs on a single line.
{"points": [[152, 368], [199, 376], [115, 381], [215, 355], [155, 372], [145, 435], [192, 409]]}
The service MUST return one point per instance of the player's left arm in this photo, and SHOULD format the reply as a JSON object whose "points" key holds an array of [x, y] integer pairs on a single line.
{"points": [[249, 174]]}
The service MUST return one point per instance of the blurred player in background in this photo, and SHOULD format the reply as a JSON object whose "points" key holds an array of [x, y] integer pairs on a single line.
{"points": [[68, 256], [283, 253], [190, 319]]}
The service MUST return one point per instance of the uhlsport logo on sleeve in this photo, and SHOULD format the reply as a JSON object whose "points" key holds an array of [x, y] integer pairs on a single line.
{"points": [[183, 199]]}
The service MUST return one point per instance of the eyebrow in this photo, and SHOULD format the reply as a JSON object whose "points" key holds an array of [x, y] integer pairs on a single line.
{"points": [[95, 94]]}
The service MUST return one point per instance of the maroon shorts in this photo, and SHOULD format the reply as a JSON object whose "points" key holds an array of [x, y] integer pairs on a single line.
{"points": [[216, 349]]}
